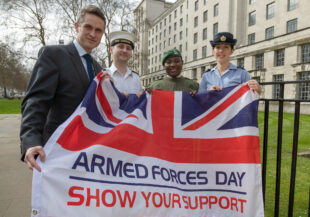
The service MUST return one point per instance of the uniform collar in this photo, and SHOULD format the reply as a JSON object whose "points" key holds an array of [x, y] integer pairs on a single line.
{"points": [[114, 70]]}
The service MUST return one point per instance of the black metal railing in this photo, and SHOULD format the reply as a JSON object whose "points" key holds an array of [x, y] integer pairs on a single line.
{"points": [[281, 101]]}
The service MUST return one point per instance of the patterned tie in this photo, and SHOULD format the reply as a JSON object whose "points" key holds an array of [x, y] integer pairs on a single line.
{"points": [[89, 63]]}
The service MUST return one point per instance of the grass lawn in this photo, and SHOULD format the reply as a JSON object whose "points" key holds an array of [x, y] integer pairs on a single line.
{"points": [[303, 164], [10, 106]]}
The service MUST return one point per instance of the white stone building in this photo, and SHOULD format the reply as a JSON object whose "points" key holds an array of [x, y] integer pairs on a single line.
{"points": [[273, 39]]}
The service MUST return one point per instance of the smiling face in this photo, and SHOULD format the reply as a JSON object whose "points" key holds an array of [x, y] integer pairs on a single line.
{"points": [[222, 52], [173, 66], [121, 52], [89, 32]]}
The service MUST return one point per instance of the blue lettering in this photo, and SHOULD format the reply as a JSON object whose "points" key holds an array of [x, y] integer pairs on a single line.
{"points": [[81, 161], [97, 164], [139, 174], [220, 181]]}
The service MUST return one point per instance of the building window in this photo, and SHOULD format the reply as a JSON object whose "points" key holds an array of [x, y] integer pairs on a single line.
{"points": [[304, 88], [276, 87], [270, 10], [196, 21], [181, 22], [204, 33], [292, 4], [279, 57], [169, 29], [174, 38], [205, 16], [252, 18], [164, 33], [259, 61], [186, 32], [291, 26], [251, 38], [175, 26], [215, 28], [196, 5], [269, 32], [205, 2], [169, 18], [195, 54], [156, 28], [160, 25], [181, 9], [216, 10], [240, 62], [305, 53], [180, 48], [181, 35], [156, 38], [194, 75], [165, 21], [251, 1], [175, 14], [164, 44], [169, 42], [204, 51], [195, 38]]}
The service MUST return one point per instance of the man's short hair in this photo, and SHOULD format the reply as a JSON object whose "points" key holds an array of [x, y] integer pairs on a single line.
{"points": [[90, 9]]}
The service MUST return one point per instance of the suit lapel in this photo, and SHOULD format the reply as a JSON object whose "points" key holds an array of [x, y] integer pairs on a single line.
{"points": [[79, 67]]}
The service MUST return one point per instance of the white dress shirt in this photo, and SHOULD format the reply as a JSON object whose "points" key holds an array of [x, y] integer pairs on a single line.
{"points": [[129, 83]]}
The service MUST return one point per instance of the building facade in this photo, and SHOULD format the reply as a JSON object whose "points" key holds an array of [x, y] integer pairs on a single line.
{"points": [[273, 39]]}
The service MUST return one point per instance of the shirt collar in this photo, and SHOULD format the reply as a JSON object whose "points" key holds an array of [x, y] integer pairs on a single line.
{"points": [[79, 48], [115, 70]]}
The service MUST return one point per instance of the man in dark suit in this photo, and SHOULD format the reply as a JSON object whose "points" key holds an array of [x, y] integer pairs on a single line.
{"points": [[58, 83]]}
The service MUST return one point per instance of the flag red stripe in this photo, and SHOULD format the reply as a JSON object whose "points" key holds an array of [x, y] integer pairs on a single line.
{"points": [[76, 137], [105, 105], [218, 110]]}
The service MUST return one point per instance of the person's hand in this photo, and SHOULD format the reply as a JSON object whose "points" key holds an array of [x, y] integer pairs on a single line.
{"points": [[126, 94], [254, 85], [193, 92], [30, 157], [139, 94], [105, 75], [149, 90], [215, 87]]}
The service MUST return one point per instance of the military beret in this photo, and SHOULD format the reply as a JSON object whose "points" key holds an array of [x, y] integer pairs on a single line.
{"points": [[171, 53], [121, 37], [223, 38]]}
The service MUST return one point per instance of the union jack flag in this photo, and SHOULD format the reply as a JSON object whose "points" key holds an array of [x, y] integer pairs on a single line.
{"points": [[163, 154], [151, 124]]}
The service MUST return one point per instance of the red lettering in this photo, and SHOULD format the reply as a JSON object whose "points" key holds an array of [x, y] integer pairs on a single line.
{"points": [[221, 202], [201, 202], [212, 200], [185, 201], [89, 197], [233, 203], [127, 196], [73, 194], [165, 202], [160, 199], [103, 198], [146, 198], [176, 199], [242, 201], [190, 204]]}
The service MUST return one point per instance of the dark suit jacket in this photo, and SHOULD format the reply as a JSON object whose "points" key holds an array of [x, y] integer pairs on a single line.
{"points": [[57, 85]]}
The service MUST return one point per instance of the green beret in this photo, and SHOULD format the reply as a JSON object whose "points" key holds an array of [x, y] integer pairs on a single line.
{"points": [[171, 53]]}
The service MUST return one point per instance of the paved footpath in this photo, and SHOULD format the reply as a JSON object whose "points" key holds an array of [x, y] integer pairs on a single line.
{"points": [[15, 177]]}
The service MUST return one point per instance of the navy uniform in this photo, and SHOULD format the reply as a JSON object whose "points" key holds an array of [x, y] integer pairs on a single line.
{"points": [[178, 83], [232, 76], [130, 82]]}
